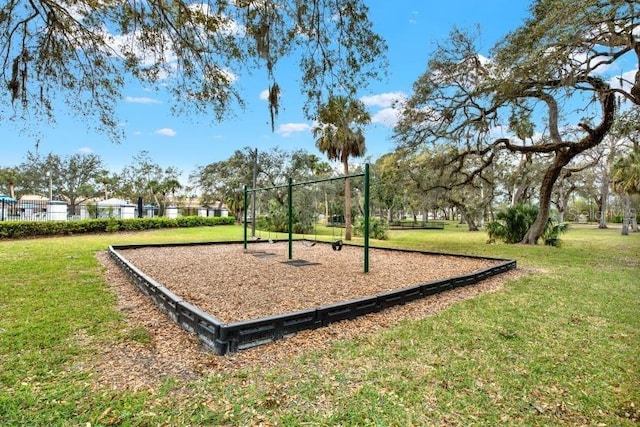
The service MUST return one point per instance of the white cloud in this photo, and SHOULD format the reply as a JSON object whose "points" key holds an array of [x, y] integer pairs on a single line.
{"points": [[484, 61], [132, 43], [288, 129], [264, 95], [85, 150], [500, 131], [623, 81], [229, 75], [228, 26], [386, 116], [141, 100], [383, 100], [413, 19], [389, 105], [165, 132]]}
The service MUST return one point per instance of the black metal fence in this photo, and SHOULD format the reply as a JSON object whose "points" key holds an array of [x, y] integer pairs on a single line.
{"points": [[24, 210], [45, 210]]}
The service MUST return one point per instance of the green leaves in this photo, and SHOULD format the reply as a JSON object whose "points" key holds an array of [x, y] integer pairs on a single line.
{"points": [[547, 76], [85, 52], [22, 229], [512, 224], [339, 133], [626, 173]]}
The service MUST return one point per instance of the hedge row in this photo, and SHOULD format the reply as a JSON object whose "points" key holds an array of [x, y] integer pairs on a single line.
{"points": [[18, 229]]}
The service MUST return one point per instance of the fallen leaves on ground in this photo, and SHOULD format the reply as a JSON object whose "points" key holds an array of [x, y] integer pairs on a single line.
{"points": [[172, 353]]}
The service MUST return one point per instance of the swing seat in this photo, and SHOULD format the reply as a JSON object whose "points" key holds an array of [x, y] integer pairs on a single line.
{"points": [[337, 245]]}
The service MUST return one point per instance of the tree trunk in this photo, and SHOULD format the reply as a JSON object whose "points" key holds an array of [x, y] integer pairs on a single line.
{"points": [[347, 203], [160, 209], [519, 189], [562, 203], [564, 156], [326, 207], [472, 224], [604, 199], [546, 189], [518, 193], [626, 215]]}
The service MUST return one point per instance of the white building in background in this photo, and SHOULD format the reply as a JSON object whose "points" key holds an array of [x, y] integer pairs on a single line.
{"points": [[108, 208], [217, 209], [57, 210], [32, 207]]}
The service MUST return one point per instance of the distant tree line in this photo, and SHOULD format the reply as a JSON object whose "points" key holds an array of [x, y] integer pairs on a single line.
{"points": [[84, 177], [542, 120], [600, 187]]}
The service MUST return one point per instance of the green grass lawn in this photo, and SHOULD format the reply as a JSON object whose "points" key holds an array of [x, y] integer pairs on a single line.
{"points": [[557, 346]]}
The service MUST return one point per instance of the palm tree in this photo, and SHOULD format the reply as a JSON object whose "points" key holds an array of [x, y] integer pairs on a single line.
{"points": [[626, 180], [107, 181], [626, 173], [9, 176], [339, 135], [172, 185]]}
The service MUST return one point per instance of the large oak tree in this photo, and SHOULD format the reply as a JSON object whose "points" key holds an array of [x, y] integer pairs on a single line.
{"points": [[550, 72], [71, 178]]}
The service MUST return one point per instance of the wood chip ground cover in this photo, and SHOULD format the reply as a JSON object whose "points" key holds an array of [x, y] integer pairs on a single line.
{"points": [[235, 285]]}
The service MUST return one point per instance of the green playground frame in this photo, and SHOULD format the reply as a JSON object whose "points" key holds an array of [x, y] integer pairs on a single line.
{"points": [[290, 186]]}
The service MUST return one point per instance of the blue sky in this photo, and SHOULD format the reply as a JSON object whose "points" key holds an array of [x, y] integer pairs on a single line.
{"points": [[410, 27]]}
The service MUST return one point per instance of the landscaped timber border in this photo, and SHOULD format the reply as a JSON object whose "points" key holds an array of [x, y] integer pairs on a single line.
{"points": [[224, 338]]}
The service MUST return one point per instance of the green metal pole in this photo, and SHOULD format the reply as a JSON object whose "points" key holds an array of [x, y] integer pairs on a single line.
{"points": [[366, 218], [290, 197], [245, 216]]}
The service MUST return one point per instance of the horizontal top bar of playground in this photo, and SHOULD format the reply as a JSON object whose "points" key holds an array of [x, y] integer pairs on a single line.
{"points": [[294, 184]]}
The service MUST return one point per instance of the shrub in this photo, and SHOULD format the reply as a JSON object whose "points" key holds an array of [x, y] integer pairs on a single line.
{"points": [[617, 218], [377, 228], [513, 223], [18, 229], [552, 232]]}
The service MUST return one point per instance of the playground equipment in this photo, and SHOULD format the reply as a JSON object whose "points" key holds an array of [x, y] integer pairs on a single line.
{"points": [[336, 245]]}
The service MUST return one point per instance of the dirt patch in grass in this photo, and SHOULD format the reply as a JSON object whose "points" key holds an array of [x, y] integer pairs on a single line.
{"points": [[235, 285]]}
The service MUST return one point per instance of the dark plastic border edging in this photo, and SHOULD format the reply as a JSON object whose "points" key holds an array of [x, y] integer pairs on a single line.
{"points": [[224, 338]]}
